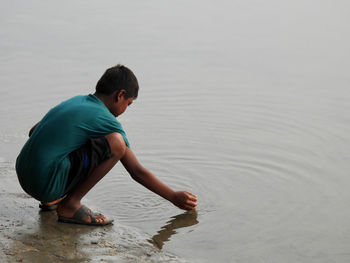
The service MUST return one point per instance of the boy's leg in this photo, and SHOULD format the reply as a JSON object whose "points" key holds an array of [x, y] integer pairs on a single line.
{"points": [[69, 205]]}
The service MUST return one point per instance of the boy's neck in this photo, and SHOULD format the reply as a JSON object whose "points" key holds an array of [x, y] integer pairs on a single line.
{"points": [[107, 100]]}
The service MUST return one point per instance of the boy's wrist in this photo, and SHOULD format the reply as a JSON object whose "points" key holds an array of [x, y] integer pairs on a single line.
{"points": [[172, 197]]}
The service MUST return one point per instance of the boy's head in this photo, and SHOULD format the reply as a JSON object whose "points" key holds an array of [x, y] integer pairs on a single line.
{"points": [[118, 78], [117, 88]]}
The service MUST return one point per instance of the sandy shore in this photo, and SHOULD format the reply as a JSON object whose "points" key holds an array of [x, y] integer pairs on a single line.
{"points": [[28, 235]]}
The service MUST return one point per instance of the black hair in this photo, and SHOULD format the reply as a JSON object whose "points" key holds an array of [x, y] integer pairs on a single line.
{"points": [[117, 78]]}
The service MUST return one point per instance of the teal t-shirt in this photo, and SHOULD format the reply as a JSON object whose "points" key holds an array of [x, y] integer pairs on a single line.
{"points": [[43, 164]]}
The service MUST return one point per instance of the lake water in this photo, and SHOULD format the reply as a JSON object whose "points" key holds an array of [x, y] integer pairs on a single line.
{"points": [[244, 103]]}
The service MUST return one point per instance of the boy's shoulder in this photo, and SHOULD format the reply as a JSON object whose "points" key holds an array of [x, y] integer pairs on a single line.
{"points": [[88, 106], [83, 102], [76, 108], [81, 99]]}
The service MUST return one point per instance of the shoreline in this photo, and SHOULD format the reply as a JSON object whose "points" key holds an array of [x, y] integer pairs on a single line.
{"points": [[28, 235]]}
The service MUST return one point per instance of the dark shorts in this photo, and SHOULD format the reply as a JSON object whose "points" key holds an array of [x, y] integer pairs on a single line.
{"points": [[85, 159]]}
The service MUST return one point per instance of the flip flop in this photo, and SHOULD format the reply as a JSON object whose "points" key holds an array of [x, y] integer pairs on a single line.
{"points": [[45, 208], [50, 206], [80, 214]]}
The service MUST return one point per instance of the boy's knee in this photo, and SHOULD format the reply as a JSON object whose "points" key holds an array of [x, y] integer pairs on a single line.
{"points": [[117, 144]]}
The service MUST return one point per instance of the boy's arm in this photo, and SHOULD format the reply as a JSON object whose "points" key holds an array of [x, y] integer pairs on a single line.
{"points": [[32, 129], [181, 199]]}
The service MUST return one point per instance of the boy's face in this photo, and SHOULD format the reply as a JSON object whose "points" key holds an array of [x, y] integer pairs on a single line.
{"points": [[121, 104]]}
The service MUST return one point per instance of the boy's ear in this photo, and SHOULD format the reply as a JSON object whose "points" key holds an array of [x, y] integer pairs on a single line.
{"points": [[120, 94]]}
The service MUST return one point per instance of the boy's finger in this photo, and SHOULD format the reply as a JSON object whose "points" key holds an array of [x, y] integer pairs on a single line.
{"points": [[192, 197], [191, 203], [188, 207]]}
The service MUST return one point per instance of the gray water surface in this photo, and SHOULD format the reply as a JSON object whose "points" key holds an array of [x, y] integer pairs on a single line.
{"points": [[244, 103]]}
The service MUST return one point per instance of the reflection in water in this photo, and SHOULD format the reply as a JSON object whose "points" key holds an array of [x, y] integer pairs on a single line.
{"points": [[179, 221]]}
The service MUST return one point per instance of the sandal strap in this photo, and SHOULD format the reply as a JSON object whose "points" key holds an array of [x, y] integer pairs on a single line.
{"points": [[83, 212]]}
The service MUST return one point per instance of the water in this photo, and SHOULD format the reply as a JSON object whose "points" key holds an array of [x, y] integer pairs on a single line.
{"points": [[244, 103]]}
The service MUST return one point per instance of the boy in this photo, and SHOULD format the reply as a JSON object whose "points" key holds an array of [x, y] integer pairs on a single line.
{"points": [[77, 143]]}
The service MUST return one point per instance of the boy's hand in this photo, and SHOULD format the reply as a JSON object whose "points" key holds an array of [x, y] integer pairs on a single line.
{"points": [[185, 200]]}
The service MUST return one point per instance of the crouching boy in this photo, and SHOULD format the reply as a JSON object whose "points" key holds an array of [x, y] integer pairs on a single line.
{"points": [[77, 143]]}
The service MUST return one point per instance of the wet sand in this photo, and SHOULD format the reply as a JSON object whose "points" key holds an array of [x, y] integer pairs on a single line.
{"points": [[28, 235]]}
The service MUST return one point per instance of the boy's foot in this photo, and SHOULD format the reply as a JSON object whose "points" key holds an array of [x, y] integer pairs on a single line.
{"points": [[85, 216], [50, 206]]}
